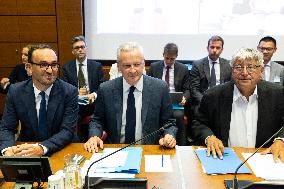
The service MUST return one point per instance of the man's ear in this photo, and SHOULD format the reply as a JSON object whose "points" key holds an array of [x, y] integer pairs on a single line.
{"points": [[29, 69]]}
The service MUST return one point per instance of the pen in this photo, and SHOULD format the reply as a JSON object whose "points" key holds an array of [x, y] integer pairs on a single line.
{"points": [[162, 160]]}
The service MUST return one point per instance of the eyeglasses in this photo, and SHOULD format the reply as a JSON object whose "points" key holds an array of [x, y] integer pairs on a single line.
{"points": [[268, 49], [250, 68], [45, 65], [79, 47], [128, 66]]}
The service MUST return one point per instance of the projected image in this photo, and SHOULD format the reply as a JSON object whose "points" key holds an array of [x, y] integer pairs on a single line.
{"points": [[242, 17]]}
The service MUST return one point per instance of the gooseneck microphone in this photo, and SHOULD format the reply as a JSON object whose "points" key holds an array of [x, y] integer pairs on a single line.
{"points": [[235, 181], [167, 125]]}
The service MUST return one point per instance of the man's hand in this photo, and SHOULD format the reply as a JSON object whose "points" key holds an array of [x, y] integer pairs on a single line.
{"points": [[277, 150], [93, 143], [183, 101], [4, 81], [25, 150], [168, 141], [92, 97], [83, 91], [215, 146]]}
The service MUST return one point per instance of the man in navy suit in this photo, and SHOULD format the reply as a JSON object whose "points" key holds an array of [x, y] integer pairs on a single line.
{"points": [[244, 112], [176, 75], [86, 75], [131, 106], [45, 106]]}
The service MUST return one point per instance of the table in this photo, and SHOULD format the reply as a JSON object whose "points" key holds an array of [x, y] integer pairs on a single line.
{"points": [[187, 171]]}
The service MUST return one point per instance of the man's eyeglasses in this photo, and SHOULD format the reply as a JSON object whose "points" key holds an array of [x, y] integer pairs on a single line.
{"points": [[250, 68], [79, 47], [268, 49], [45, 65]]}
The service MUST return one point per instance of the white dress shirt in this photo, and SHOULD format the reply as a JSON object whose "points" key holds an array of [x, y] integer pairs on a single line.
{"points": [[171, 76], [138, 106], [244, 116], [267, 68], [85, 72], [217, 69]]}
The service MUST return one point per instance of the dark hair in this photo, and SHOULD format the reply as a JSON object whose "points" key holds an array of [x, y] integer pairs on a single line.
{"points": [[268, 39], [77, 38], [35, 47], [171, 48], [216, 38]]}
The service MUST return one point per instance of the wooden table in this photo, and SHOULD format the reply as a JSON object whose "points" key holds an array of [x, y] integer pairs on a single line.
{"points": [[187, 171]]}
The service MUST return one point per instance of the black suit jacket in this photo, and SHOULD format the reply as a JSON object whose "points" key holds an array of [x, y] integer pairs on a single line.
{"points": [[200, 77], [62, 114], [95, 74], [181, 76], [214, 113]]}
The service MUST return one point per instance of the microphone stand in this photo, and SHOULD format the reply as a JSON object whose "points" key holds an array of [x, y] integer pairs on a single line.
{"points": [[235, 181], [169, 124]]}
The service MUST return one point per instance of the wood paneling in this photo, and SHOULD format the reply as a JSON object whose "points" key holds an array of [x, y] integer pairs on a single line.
{"points": [[38, 29], [11, 57], [9, 30], [36, 7], [8, 7]]}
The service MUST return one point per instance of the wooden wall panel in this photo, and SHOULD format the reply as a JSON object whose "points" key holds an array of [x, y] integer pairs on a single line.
{"points": [[12, 55], [8, 7], [38, 29], [36, 7], [9, 30]]}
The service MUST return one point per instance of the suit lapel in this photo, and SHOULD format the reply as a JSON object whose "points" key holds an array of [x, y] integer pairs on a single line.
{"points": [[91, 71], [206, 69], [146, 96], [29, 100], [55, 98], [118, 104], [176, 71], [160, 70], [272, 72], [222, 71], [73, 70]]}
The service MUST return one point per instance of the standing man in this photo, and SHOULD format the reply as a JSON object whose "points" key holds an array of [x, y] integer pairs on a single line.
{"points": [[244, 112], [86, 75], [46, 107], [176, 76], [209, 71], [131, 106], [273, 71]]}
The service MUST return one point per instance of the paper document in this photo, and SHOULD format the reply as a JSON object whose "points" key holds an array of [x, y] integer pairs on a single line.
{"points": [[228, 164], [158, 163], [264, 166]]}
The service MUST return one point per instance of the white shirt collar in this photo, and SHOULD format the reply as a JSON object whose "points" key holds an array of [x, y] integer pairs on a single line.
{"points": [[138, 85], [210, 61], [165, 65], [268, 64], [84, 62], [47, 91], [237, 94]]}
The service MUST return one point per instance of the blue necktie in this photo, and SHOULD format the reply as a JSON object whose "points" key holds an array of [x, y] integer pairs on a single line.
{"points": [[213, 75], [42, 130], [130, 117]]}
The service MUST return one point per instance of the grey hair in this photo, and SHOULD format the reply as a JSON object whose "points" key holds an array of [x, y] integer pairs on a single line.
{"points": [[129, 47], [248, 54]]}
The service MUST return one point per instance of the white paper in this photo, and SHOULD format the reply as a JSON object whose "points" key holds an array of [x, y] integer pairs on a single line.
{"points": [[116, 160], [264, 166], [153, 163]]}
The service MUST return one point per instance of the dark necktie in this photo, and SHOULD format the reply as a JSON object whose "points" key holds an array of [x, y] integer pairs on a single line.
{"points": [[130, 117], [167, 76], [42, 130], [81, 78], [213, 75]]}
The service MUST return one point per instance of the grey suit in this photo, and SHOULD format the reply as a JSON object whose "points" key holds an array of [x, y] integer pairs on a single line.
{"points": [[214, 115], [276, 73], [181, 76], [156, 109], [62, 114], [200, 77]]}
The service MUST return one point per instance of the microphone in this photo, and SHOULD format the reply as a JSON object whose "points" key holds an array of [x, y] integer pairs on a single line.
{"points": [[169, 123], [235, 181]]}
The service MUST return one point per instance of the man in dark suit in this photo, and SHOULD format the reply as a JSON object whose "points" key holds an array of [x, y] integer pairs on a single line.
{"points": [[176, 75], [244, 112], [209, 71], [86, 75], [131, 106], [45, 106]]}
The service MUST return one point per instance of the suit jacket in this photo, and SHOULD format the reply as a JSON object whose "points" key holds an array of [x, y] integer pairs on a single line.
{"points": [[62, 114], [214, 114], [156, 110], [200, 77], [181, 76], [95, 74], [276, 71]]}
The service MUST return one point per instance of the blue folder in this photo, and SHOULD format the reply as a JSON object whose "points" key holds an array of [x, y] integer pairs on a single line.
{"points": [[229, 163]]}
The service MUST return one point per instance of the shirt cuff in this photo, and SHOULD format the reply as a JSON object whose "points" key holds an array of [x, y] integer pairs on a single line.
{"points": [[4, 150], [278, 138], [45, 149], [207, 139]]}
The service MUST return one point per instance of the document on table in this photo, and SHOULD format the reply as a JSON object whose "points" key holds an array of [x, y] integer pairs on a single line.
{"points": [[264, 166], [158, 163], [228, 164]]}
